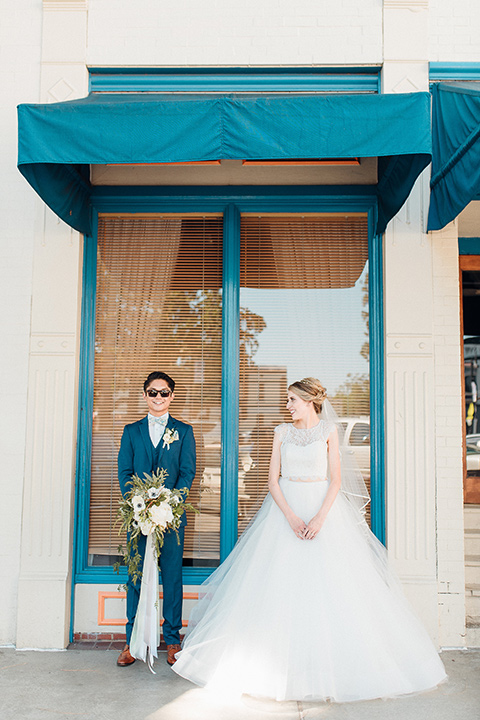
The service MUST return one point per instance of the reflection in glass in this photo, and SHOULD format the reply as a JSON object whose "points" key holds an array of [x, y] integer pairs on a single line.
{"points": [[304, 312], [471, 352], [158, 307]]}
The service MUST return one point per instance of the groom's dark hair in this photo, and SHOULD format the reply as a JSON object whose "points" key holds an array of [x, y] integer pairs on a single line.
{"points": [[158, 375]]}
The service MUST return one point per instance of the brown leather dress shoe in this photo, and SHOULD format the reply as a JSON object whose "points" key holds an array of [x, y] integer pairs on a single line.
{"points": [[171, 652], [125, 658]]}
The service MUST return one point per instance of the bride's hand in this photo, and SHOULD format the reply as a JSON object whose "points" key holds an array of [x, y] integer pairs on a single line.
{"points": [[298, 526], [313, 528]]}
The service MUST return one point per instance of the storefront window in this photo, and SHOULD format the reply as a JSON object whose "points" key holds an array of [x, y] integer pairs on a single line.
{"points": [[159, 307], [303, 312]]}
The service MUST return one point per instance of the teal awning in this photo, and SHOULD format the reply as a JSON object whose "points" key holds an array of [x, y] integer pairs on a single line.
{"points": [[455, 177], [58, 142]]}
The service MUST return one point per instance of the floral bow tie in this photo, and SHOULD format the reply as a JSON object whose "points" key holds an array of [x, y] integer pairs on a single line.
{"points": [[158, 420]]}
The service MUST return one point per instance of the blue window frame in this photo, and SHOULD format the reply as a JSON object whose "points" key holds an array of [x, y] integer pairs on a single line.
{"points": [[231, 202]]}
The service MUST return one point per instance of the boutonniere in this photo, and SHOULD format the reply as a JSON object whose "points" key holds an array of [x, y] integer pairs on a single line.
{"points": [[169, 436]]}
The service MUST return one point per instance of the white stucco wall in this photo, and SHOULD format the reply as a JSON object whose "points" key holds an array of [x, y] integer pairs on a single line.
{"points": [[454, 30], [20, 36], [44, 580], [449, 420], [272, 32], [423, 373]]}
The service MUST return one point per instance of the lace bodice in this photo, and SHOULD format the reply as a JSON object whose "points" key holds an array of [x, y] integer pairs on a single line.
{"points": [[304, 452]]}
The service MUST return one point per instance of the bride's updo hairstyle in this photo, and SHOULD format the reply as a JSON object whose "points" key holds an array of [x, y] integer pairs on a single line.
{"points": [[311, 390]]}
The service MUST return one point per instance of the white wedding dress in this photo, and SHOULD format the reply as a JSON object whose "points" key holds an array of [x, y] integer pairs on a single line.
{"points": [[294, 619]]}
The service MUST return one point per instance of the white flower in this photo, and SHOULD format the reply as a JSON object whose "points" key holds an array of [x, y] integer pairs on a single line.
{"points": [[161, 514], [138, 503], [169, 436], [147, 527], [153, 493]]}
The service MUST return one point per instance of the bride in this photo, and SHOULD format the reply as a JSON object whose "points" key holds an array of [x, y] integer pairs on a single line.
{"points": [[305, 607]]}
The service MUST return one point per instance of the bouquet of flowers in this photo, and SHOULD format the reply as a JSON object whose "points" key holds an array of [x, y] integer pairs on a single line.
{"points": [[149, 508]]}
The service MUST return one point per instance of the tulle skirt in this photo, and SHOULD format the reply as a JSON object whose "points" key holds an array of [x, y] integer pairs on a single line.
{"points": [[293, 619]]}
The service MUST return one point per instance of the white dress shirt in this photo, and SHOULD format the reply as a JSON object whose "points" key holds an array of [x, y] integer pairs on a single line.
{"points": [[156, 427]]}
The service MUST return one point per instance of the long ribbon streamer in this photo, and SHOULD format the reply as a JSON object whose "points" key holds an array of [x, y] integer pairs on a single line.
{"points": [[146, 629]]}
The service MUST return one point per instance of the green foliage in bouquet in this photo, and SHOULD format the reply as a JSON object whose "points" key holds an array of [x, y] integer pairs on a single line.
{"points": [[149, 508]]}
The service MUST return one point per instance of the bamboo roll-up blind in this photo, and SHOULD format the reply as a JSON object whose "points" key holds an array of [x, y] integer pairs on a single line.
{"points": [[303, 300], [158, 307]]}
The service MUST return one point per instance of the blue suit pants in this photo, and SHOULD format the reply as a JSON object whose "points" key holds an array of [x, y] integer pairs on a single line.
{"points": [[170, 563]]}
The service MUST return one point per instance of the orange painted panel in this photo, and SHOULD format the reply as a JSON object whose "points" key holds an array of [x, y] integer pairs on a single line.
{"points": [[108, 594]]}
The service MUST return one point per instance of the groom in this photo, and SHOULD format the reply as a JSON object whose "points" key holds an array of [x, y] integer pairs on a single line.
{"points": [[142, 451]]}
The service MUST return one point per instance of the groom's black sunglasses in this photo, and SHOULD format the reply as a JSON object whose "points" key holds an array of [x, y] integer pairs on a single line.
{"points": [[163, 392]]}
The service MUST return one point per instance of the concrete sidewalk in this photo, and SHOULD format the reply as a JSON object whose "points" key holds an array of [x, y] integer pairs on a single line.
{"points": [[87, 684]]}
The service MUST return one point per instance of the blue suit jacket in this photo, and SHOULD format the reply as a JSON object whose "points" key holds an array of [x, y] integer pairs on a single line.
{"points": [[136, 455]]}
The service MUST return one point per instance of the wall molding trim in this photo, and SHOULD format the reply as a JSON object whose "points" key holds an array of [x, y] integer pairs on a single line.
{"points": [[409, 344], [52, 344], [412, 5], [450, 71], [65, 5], [239, 79]]}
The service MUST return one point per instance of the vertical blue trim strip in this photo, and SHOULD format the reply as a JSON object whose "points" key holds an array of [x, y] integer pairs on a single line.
{"points": [[377, 391], [85, 409], [230, 379]]}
